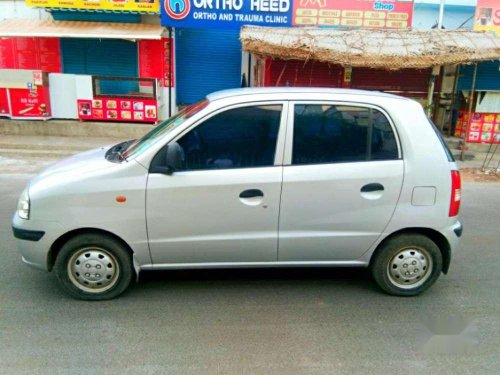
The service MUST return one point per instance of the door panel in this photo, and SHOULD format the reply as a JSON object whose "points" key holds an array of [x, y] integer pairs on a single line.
{"points": [[222, 203], [343, 182], [325, 215], [199, 216]]}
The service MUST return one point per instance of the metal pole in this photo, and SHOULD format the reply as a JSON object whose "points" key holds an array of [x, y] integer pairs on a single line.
{"points": [[471, 98], [430, 92], [453, 98], [441, 14], [170, 71]]}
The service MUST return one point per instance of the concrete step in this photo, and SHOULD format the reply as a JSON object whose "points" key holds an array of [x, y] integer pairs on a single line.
{"points": [[46, 154], [73, 128], [454, 143], [9, 146], [48, 143], [49, 147]]}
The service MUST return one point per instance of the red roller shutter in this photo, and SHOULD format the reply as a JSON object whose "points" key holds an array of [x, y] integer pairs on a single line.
{"points": [[407, 82], [300, 73]]}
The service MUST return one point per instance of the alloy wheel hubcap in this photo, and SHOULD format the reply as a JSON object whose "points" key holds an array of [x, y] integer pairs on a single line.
{"points": [[93, 270], [409, 268]]}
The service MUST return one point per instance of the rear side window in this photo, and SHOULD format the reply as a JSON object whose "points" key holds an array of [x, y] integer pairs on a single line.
{"points": [[237, 138], [341, 134]]}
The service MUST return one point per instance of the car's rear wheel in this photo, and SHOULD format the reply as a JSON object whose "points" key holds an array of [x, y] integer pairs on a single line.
{"points": [[407, 264], [94, 267]]}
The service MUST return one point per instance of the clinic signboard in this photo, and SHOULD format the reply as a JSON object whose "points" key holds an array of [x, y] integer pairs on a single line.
{"points": [[487, 17], [137, 6], [232, 14]]}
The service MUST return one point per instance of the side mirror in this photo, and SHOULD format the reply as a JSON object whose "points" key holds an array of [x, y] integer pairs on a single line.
{"points": [[168, 160]]}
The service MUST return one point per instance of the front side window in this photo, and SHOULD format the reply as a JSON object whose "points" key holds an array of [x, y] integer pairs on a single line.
{"points": [[341, 134], [237, 138]]}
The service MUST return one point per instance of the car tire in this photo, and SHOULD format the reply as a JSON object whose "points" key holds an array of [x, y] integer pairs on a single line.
{"points": [[407, 265], [94, 267]]}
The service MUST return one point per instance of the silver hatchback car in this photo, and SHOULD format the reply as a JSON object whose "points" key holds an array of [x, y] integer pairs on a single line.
{"points": [[261, 177]]}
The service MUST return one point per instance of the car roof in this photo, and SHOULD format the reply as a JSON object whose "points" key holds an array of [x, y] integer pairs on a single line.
{"points": [[296, 90]]}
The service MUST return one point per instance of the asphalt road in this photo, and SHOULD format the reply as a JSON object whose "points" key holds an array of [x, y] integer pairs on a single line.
{"points": [[316, 321]]}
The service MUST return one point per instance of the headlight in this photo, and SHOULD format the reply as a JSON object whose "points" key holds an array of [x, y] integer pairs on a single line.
{"points": [[23, 206]]}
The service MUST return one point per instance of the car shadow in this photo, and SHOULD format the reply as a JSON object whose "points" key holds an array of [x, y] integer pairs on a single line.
{"points": [[267, 278]]}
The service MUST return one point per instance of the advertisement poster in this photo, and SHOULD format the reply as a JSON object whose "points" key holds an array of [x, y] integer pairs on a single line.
{"points": [[31, 53], [118, 109], [140, 6], [232, 14], [487, 17], [483, 127], [150, 53], [30, 103]]}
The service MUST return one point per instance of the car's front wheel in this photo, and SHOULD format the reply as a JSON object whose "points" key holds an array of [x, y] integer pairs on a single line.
{"points": [[407, 264], [94, 267]]}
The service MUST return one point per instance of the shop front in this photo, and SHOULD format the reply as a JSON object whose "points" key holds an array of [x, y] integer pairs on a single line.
{"points": [[478, 89], [209, 56], [482, 124], [208, 51], [360, 14], [93, 62]]}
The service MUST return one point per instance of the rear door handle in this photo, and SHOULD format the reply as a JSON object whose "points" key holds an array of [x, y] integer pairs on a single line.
{"points": [[251, 193], [368, 188]]}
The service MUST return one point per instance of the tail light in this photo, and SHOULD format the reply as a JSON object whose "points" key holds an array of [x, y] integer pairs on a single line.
{"points": [[456, 193]]}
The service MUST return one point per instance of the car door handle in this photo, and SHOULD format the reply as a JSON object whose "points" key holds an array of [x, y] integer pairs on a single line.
{"points": [[251, 193], [368, 188]]}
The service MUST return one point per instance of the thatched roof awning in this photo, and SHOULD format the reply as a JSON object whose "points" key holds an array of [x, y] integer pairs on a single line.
{"points": [[385, 49]]}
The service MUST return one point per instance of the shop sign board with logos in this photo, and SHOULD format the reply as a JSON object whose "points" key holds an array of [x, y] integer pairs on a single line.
{"points": [[487, 17], [139, 6], [232, 14], [118, 109], [24, 94], [482, 128]]}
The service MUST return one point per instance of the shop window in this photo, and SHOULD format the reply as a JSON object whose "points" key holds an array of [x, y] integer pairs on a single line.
{"points": [[341, 134], [124, 87], [237, 138]]}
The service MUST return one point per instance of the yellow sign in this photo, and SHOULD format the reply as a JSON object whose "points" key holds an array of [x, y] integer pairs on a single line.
{"points": [[140, 6]]}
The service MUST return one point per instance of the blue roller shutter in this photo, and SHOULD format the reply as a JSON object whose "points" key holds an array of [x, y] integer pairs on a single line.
{"points": [[108, 57], [487, 78], [206, 61]]}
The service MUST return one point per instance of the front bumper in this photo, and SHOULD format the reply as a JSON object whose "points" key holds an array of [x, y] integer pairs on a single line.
{"points": [[34, 239]]}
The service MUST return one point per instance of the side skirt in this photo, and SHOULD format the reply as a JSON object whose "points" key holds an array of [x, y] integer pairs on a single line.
{"points": [[339, 263]]}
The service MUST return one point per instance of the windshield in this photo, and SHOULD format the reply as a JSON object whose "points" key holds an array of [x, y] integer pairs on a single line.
{"points": [[139, 145]]}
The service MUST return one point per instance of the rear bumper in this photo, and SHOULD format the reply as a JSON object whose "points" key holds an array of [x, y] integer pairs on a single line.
{"points": [[452, 234]]}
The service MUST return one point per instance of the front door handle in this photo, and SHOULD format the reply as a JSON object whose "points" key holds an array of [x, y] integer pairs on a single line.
{"points": [[251, 193], [369, 188]]}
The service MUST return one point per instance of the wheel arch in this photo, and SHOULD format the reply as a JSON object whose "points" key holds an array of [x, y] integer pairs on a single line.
{"points": [[438, 238], [58, 244]]}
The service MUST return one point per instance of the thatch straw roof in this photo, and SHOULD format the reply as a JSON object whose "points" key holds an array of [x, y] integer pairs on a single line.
{"points": [[385, 49]]}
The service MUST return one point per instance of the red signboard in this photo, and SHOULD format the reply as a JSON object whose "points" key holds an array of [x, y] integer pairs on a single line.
{"points": [[118, 109], [33, 103], [156, 61], [4, 103], [483, 127], [30, 53], [395, 14], [7, 60]]}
